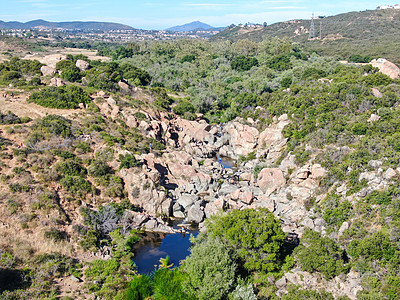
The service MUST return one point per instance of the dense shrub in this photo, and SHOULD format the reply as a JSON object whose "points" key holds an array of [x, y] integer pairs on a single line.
{"points": [[60, 97], [71, 168], [128, 161], [11, 118], [377, 247], [99, 168], [188, 58], [357, 58], [295, 293], [280, 62], [140, 288], [243, 63], [210, 270], [55, 235], [76, 185], [255, 235], [55, 125], [182, 107], [69, 71], [135, 75], [321, 254]]}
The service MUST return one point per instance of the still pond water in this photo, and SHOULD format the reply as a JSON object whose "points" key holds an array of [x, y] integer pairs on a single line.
{"points": [[157, 246]]}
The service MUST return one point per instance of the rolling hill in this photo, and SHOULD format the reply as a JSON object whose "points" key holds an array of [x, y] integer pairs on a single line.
{"points": [[371, 32], [74, 25]]}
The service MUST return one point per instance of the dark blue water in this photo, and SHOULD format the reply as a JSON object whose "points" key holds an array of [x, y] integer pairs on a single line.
{"points": [[226, 162], [175, 245]]}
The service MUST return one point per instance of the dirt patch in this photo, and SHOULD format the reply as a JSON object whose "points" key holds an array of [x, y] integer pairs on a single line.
{"points": [[91, 54], [19, 106]]}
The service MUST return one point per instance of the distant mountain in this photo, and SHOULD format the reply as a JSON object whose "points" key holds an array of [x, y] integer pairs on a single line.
{"points": [[193, 26], [75, 25]]}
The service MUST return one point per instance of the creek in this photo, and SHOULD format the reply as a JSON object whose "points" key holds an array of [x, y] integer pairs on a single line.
{"points": [[154, 246]]}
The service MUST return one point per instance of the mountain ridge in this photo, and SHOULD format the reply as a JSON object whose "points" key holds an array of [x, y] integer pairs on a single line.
{"points": [[71, 25], [195, 25]]}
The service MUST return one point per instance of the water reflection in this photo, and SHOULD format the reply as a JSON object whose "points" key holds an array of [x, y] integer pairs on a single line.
{"points": [[155, 246]]}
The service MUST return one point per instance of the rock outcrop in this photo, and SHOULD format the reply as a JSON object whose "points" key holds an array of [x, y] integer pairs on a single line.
{"points": [[47, 71], [386, 67], [53, 59], [55, 81], [143, 191], [348, 285], [82, 65]]}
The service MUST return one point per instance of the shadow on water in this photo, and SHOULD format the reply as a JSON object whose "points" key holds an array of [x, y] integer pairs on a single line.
{"points": [[154, 246]]}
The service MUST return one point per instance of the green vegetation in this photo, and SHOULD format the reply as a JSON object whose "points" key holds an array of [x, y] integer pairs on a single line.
{"points": [[255, 235], [11, 118], [354, 36], [320, 254], [19, 72], [60, 97], [66, 166], [243, 63], [69, 71], [210, 270]]}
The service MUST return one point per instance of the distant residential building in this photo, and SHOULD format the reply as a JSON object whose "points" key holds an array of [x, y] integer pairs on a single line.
{"points": [[396, 6]]}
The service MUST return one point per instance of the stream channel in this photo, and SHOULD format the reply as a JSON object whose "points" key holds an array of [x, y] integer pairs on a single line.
{"points": [[154, 246]]}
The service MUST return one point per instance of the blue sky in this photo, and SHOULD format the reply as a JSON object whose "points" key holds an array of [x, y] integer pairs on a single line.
{"points": [[157, 14]]}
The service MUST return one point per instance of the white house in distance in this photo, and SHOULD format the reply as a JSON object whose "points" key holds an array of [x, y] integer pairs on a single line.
{"points": [[396, 6]]}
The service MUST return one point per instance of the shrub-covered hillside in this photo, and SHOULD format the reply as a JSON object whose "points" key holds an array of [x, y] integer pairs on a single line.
{"points": [[310, 212], [370, 32]]}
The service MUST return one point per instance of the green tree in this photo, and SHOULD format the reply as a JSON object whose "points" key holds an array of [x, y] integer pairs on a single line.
{"points": [[255, 235], [243, 63], [210, 270], [321, 254]]}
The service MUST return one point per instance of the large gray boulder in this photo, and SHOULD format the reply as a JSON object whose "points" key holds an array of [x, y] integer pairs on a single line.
{"points": [[187, 200], [196, 213], [82, 65], [47, 71]]}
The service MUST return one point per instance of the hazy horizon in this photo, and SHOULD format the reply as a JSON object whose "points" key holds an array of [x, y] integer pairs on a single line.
{"points": [[161, 15]]}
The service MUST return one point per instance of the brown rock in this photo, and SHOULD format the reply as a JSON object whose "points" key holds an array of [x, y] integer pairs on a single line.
{"points": [[270, 180], [386, 67], [374, 118], [47, 71], [211, 209], [53, 59], [243, 138], [219, 203], [111, 101], [377, 93], [143, 192], [246, 197], [317, 171], [82, 65], [303, 172], [102, 94], [56, 82], [246, 176], [131, 121], [124, 85]]}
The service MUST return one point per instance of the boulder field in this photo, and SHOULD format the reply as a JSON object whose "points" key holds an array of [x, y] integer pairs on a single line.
{"points": [[187, 180]]}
